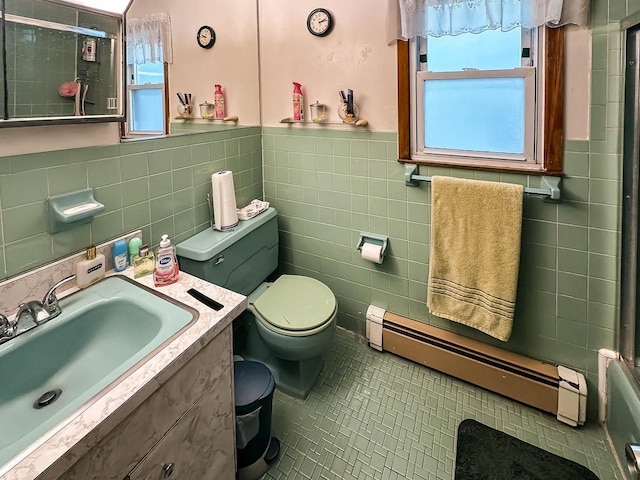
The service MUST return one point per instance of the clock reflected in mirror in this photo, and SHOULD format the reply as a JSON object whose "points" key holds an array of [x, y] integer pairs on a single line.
{"points": [[206, 37]]}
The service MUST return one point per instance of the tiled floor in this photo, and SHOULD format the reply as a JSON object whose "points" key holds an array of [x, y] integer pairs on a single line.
{"points": [[377, 416]]}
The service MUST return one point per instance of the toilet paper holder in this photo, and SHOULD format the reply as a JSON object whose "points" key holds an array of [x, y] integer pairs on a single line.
{"points": [[373, 238]]}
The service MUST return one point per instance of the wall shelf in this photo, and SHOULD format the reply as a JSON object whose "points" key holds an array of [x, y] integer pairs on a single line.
{"points": [[230, 118], [361, 122]]}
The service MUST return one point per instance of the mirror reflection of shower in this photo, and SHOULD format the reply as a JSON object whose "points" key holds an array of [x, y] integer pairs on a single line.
{"points": [[629, 331], [61, 63]]}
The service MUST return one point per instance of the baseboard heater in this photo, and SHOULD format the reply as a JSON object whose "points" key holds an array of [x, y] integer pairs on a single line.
{"points": [[550, 388]]}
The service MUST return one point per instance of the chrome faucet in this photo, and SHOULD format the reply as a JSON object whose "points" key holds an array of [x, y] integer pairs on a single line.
{"points": [[32, 313], [50, 301], [32, 310], [7, 328]]}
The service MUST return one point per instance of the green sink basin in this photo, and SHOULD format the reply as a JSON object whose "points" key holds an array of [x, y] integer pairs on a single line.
{"points": [[104, 332]]}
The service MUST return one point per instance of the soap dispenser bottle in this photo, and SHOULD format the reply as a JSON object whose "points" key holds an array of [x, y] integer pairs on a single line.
{"points": [[91, 269], [166, 270]]}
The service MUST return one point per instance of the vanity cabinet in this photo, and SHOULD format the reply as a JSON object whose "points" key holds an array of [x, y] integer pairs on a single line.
{"points": [[188, 421], [193, 448]]}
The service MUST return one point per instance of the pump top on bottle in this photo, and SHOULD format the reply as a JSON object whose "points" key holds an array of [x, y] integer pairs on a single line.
{"points": [[298, 102]]}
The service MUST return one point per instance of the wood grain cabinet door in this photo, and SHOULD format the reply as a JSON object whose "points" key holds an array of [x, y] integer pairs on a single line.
{"points": [[201, 445]]}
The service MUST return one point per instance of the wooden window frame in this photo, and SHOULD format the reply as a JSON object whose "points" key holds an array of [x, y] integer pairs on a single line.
{"points": [[553, 143]]}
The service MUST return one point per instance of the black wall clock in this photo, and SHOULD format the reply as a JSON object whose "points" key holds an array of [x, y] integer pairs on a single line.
{"points": [[206, 37], [320, 22]]}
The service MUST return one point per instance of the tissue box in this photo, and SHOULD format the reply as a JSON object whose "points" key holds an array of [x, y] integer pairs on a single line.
{"points": [[256, 207]]}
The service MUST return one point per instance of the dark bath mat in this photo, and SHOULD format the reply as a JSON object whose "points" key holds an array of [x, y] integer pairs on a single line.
{"points": [[487, 454]]}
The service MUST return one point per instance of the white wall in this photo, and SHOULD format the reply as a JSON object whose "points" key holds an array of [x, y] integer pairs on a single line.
{"points": [[354, 56], [232, 61], [21, 140]]}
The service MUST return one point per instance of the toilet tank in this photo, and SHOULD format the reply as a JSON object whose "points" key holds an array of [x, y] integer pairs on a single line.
{"points": [[239, 260]]}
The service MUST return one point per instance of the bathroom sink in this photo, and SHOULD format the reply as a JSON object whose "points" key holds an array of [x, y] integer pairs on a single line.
{"points": [[104, 332]]}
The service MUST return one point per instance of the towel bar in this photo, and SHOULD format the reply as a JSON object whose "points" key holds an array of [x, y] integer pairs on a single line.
{"points": [[549, 186]]}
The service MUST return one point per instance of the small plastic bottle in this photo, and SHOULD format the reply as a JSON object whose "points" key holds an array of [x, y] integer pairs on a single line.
{"points": [[218, 103], [119, 255], [134, 248], [298, 102], [91, 269], [166, 270]]}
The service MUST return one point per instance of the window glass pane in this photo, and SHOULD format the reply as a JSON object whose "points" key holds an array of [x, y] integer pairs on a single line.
{"points": [[146, 110], [489, 50], [484, 114], [148, 73]]}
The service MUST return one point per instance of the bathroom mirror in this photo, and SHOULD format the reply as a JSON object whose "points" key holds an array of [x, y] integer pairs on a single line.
{"points": [[62, 64], [232, 61]]}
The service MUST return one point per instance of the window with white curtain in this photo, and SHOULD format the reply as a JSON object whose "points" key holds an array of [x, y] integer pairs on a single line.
{"points": [[480, 82], [149, 49]]}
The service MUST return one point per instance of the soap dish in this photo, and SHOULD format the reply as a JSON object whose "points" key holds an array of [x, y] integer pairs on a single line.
{"points": [[71, 209]]}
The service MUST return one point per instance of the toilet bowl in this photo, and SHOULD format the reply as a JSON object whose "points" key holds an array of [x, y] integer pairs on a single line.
{"points": [[289, 326], [290, 323], [295, 317]]}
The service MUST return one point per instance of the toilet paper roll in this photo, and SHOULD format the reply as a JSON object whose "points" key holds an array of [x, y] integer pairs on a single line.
{"points": [[372, 253], [225, 211]]}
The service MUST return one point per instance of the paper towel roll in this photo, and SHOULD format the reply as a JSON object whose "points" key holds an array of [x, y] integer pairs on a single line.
{"points": [[225, 212], [372, 252]]}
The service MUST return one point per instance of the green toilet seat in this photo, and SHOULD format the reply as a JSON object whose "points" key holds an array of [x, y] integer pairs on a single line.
{"points": [[296, 306]]}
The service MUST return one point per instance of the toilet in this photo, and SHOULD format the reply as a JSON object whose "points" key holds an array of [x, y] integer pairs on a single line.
{"points": [[290, 321]]}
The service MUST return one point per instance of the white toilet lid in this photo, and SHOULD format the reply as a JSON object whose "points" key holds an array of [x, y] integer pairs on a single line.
{"points": [[296, 303]]}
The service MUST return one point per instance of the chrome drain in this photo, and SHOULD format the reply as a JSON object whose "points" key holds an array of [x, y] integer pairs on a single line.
{"points": [[47, 398]]}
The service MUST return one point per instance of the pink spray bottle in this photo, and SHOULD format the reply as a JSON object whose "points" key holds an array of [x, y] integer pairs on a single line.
{"points": [[298, 102], [218, 102]]}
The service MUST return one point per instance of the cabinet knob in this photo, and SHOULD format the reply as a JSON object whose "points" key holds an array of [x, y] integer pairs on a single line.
{"points": [[167, 470]]}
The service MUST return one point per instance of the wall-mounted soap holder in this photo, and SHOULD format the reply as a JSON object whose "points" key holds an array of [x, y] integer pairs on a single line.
{"points": [[71, 209]]}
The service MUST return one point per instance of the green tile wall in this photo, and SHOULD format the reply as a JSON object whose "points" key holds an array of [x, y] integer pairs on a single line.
{"points": [[158, 186], [330, 186]]}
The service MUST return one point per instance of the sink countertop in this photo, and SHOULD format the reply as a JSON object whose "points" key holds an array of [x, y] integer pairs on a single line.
{"points": [[55, 453]]}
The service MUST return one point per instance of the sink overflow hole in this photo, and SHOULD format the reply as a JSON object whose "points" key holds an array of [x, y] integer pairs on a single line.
{"points": [[47, 398]]}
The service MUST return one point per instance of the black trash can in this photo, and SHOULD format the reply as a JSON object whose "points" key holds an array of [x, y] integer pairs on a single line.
{"points": [[257, 449]]}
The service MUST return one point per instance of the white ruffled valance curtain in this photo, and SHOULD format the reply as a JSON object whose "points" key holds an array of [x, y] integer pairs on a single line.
{"points": [[421, 18], [149, 39]]}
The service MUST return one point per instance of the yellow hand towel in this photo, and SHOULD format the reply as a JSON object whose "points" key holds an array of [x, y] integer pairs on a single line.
{"points": [[475, 252]]}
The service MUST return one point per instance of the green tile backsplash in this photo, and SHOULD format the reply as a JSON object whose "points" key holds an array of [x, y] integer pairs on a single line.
{"points": [[157, 185]]}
